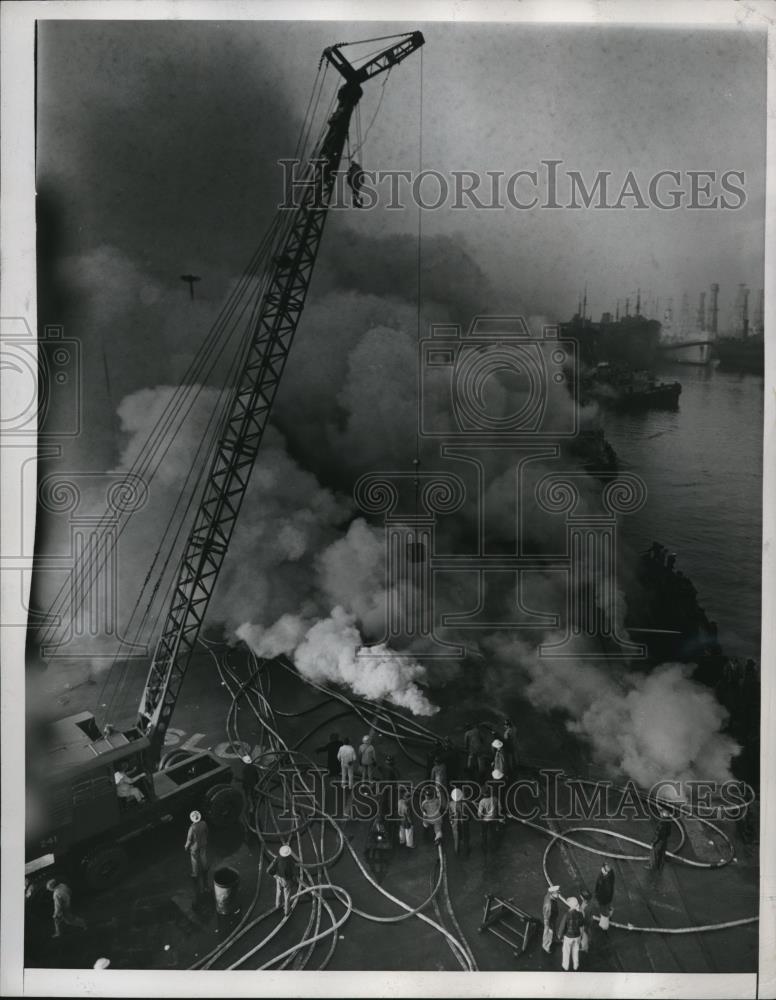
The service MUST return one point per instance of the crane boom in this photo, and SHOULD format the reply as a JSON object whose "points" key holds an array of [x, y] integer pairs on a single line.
{"points": [[251, 402]]}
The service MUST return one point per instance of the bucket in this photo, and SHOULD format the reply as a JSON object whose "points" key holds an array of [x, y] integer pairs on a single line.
{"points": [[226, 884]]}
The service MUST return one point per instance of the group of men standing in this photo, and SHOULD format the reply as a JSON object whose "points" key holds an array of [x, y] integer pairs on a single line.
{"points": [[573, 929]]}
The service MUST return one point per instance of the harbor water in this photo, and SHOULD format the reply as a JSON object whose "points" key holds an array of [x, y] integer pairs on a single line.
{"points": [[702, 465]]}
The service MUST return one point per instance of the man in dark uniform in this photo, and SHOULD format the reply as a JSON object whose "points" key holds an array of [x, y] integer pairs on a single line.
{"points": [[604, 887], [660, 843], [250, 778], [331, 749]]}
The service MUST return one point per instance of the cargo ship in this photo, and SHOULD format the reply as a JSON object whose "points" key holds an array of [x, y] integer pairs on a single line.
{"points": [[743, 354], [744, 351]]}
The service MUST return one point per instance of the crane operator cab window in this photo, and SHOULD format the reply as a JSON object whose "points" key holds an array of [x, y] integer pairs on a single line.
{"points": [[131, 782]]}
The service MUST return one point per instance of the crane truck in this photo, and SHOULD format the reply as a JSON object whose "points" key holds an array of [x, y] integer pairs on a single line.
{"points": [[82, 823]]}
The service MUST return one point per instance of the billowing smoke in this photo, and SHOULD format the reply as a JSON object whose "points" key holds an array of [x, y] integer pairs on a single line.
{"points": [[331, 650], [306, 576], [652, 727]]}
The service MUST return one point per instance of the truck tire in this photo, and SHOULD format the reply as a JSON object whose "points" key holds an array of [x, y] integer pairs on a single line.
{"points": [[224, 805], [104, 866]]}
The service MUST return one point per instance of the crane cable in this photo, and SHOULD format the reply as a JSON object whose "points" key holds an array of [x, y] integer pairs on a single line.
{"points": [[271, 238], [191, 379]]}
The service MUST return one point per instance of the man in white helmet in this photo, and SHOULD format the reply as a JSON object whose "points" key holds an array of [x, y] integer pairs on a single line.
{"points": [[284, 869], [459, 812], [499, 759], [570, 932], [250, 778], [196, 846], [550, 916]]}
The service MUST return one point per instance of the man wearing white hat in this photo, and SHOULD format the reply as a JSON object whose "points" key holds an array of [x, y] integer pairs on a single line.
{"points": [[550, 916], [570, 931], [196, 846], [459, 812], [250, 778], [499, 760], [284, 870]]}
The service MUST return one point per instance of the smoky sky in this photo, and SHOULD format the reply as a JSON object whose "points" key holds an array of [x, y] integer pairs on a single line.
{"points": [[157, 156]]}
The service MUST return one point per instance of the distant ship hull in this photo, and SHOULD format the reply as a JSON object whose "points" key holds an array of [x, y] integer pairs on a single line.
{"points": [[743, 354], [691, 354], [662, 397]]}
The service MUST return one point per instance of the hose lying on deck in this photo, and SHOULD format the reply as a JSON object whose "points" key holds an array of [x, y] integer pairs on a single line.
{"points": [[397, 727]]}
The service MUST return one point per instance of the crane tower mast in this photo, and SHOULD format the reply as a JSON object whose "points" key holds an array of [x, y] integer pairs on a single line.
{"points": [[251, 400]]}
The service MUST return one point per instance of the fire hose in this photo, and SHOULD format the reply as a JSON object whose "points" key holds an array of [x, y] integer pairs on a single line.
{"points": [[463, 953]]}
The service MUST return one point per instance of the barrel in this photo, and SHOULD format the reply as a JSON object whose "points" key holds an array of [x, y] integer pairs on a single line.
{"points": [[226, 884]]}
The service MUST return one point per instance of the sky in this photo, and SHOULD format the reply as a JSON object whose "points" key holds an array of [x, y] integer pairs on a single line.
{"points": [[157, 155], [161, 140]]}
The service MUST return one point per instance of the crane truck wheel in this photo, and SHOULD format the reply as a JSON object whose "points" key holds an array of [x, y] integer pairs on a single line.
{"points": [[224, 805], [104, 866]]}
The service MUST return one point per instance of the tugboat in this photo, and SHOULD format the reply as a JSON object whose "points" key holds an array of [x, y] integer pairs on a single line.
{"points": [[621, 388]]}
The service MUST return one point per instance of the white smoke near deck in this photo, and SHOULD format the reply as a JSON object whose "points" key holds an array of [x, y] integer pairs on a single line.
{"points": [[332, 651], [656, 726], [305, 577]]}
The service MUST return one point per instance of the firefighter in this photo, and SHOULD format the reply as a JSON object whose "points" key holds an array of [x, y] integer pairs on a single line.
{"points": [[250, 778], [550, 916], [499, 759], [431, 808], [488, 815], [604, 889], [570, 932], [439, 774], [587, 920], [331, 749], [660, 842], [283, 867], [459, 813], [510, 746], [406, 827], [346, 755], [378, 844], [63, 913], [498, 785], [196, 847], [367, 758], [472, 741]]}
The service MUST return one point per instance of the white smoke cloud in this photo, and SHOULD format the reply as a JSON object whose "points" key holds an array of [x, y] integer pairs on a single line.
{"points": [[332, 651], [303, 578], [651, 727]]}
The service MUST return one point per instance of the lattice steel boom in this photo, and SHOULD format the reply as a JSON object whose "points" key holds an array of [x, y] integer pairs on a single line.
{"points": [[251, 402]]}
